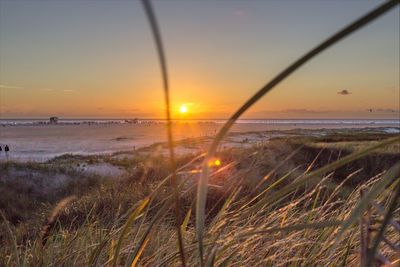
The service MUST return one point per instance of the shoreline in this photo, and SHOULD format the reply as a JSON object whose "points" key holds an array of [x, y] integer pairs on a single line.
{"points": [[115, 164], [199, 144]]}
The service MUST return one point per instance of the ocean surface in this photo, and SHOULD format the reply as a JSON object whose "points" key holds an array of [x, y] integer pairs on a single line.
{"points": [[39, 140]]}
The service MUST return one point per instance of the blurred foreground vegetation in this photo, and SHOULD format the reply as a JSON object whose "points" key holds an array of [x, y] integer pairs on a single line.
{"points": [[129, 219]]}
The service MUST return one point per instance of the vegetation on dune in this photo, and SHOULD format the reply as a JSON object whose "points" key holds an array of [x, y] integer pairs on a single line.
{"points": [[29, 188], [245, 223]]}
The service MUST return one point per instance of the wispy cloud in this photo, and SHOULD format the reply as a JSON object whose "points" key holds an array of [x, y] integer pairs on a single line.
{"points": [[344, 92], [4, 86], [68, 91]]}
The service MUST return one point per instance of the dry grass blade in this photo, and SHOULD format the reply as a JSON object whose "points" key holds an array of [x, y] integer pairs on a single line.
{"points": [[94, 257], [296, 227], [50, 221], [143, 241], [386, 220], [211, 258], [202, 187], [346, 255], [136, 259], [186, 220], [12, 238], [124, 231], [392, 174], [158, 40]]}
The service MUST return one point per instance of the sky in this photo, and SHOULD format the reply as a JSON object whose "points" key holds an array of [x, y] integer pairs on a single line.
{"points": [[90, 59]]}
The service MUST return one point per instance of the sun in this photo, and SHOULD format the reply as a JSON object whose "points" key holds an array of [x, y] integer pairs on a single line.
{"points": [[183, 109]]}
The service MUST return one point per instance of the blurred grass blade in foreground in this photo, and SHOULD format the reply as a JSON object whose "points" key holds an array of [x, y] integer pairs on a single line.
{"points": [[203, 182], [163, 64]]}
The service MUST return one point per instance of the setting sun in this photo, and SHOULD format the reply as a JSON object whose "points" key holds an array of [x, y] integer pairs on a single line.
{"points": [[183, 109]]}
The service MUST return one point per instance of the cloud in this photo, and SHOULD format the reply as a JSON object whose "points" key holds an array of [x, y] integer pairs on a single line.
{"points": [[344, 92], [46, 90], [68, 91], [3, 86]]}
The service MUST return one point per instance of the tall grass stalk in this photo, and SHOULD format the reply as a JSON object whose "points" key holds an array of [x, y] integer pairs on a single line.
{"points": [[202, 187], [163, 64]]}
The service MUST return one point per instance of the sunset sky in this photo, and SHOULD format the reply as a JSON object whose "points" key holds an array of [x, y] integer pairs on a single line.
{"points": [[98, 59]]}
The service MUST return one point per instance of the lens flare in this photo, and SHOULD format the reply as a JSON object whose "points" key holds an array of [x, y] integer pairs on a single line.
{"points": [[214, 163]]}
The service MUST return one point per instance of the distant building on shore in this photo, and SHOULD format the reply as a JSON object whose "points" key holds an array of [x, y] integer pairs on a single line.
{"points": [[53, 120], [134, 121]]}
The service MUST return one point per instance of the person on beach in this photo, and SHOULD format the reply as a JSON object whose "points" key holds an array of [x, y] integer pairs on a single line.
{"points": [[6, 149]]}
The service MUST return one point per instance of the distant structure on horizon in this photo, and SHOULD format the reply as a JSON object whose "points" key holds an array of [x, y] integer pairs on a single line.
{"points": [[134, 121], [53, 120]]}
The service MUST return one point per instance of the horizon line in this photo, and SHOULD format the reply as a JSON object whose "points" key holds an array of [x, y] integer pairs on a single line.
{"points": [[186, 119]]}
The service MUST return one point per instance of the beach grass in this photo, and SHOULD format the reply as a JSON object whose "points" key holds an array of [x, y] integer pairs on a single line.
{"points": [[282, 202]]}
